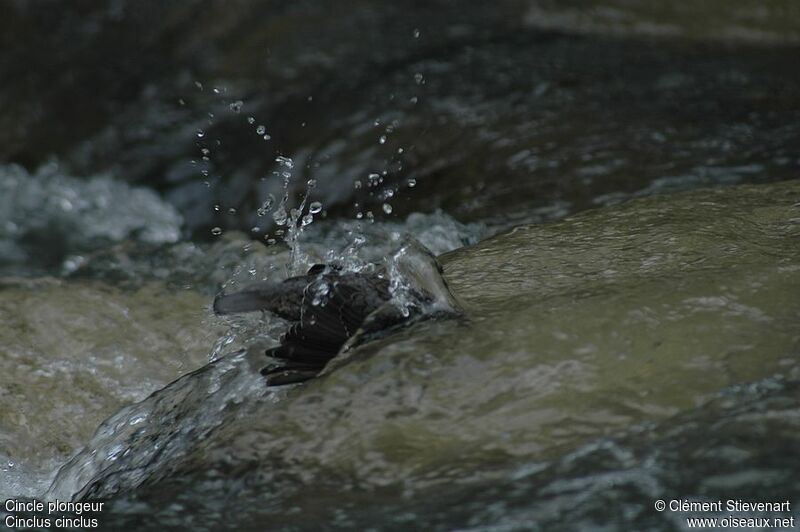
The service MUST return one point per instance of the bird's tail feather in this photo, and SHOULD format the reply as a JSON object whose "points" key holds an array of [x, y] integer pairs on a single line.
{"points": [[239, 302]]}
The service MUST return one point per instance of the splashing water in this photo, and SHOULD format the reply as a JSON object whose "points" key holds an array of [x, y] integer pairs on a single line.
{"points": [[291, 220], [49, 210], [145, 441], [142, 442], [412, 268], [353, 246], [128, 444]]}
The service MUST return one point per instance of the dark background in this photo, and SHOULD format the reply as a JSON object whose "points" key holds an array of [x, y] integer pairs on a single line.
{"points": [[505, 112]]}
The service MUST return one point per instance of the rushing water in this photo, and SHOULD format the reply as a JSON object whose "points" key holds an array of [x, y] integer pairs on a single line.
{"points": [[96, 338], [644, 349], [594, 355], [490, 112]]}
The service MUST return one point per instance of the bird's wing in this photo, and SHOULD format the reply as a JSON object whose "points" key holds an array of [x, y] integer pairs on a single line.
{"points": [[325, 325], [283, 299], [326, 307]]}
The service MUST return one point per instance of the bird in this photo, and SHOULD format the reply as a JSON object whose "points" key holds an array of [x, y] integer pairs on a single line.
{"points": [[331, 309]]}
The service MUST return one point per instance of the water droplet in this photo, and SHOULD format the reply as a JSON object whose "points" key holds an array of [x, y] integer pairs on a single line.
{"points": [[284, 161], [271, 241], [359, 215], [201, 133], [413, 100], [216, 90], [216, 208], [73, 263], [255, 229], [251, 120], [419, 78], [416, 33], [307, 219], [266, 205], [311, 183], [412, 183], [387, 208], [382, 139], [357, 184], [370, 216], [135, 420], [216, 231], [322, 289], [280, 216], [236, 106], [198, 85], [205, 151], [231, 211], [267, 137], [315, 207], [261, 129], [181, 102], [400, 150]]}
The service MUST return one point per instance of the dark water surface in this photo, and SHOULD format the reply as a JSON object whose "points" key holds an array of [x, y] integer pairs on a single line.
{"points": [[496, 112]]}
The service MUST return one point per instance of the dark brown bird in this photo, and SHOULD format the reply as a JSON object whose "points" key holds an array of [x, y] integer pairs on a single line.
{"points": [[328, 307]]}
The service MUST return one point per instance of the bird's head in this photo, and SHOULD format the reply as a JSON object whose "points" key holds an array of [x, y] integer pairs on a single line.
{"points": [[416, 277]]}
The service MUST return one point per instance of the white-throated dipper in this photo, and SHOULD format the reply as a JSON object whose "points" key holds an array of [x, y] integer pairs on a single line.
{"points": [[329, 308]]}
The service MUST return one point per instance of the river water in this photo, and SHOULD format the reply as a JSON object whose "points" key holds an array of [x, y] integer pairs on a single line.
{"points": [[611, 191]]}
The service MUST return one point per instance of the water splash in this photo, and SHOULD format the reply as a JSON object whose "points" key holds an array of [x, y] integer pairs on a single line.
{"points": [[416, 280], [129, 446], [67, 215], [143, 442]]}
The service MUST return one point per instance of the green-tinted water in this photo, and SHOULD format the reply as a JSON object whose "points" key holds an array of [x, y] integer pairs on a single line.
{"points": [[599, 326]]}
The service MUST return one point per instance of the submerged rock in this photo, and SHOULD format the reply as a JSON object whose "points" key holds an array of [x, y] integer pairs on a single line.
{"points": [[595, 326]]}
